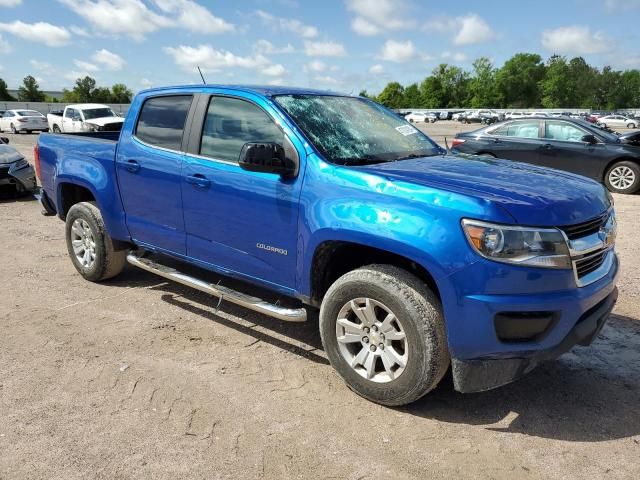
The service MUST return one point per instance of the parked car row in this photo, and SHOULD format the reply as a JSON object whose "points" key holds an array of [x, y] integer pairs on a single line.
{"points": [[562, 143]]}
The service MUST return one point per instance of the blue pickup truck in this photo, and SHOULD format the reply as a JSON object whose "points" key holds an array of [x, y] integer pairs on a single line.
{"points": [[419, 261]]}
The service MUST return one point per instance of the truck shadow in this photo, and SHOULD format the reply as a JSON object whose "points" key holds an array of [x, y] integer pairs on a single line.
{"points": [[588, 395]]}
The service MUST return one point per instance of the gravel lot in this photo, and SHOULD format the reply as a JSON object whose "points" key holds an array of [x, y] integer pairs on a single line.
{"points": [[139, 378]]}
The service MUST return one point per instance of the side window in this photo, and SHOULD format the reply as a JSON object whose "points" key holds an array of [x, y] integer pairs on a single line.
{"points": [[518, 129], [69, 113], [563, 131], [161, 121], [230, 123]]}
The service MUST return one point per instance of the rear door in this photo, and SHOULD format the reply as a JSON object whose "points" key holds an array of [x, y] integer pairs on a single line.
{"points": [[236, 220], [564, 149], [518, 140], [148, 165]]}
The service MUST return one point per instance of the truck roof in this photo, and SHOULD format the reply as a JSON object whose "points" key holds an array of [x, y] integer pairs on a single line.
{"points": [[265, 90], [82, 106]]}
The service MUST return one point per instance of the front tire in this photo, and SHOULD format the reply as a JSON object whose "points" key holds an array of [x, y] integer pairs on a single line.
{"points": [[89, 245], [384, 334], [623, 177], [631, 125]]}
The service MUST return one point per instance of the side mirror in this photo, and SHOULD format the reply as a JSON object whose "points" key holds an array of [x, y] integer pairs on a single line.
{"points": [[590, 139], [4, 140], [268, 158]]}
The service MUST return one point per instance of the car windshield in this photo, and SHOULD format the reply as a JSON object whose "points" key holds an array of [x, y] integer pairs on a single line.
{"points": [[356, 131], [29, 113], [91, 113], [608, 136]]}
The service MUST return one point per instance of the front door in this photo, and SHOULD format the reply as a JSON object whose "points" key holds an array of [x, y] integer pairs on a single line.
{"points": [[148, 165], [239, 221]]}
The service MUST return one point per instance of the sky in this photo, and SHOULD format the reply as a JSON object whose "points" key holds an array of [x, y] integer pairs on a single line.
{"points": [[342, 45]]}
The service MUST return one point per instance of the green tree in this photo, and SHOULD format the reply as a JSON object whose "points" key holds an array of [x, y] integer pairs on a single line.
{"points": [[83, 89], [4, 94], [482, 86], [120, 94], [607, 83], [412, 97], [365, 94], [584, 80], [557, 86], [30, 90], [447, 87], [392, 96], [101, 95], [518, 80]]}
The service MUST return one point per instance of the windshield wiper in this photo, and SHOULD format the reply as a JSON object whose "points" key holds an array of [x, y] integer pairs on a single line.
{"points": [[364, 160]]}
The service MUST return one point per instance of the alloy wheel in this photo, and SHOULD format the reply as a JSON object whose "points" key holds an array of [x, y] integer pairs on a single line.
{"points": [[622, 177], [83, 242]]}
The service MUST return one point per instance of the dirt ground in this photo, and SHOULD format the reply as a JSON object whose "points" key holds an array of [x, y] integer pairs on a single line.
{"points": [[140, 378]]}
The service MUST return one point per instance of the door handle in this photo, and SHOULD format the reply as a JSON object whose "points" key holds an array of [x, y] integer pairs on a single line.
{"points": [[497, 140], [547, 146], [132, 166], [198, 180]]}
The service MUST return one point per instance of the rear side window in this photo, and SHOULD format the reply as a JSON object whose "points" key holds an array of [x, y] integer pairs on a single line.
{"points": [[230, 123], [518, 129], [161, 121]]}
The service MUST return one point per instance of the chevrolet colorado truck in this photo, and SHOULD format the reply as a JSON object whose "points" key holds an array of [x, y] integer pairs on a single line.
{"points": [[418, 260]]}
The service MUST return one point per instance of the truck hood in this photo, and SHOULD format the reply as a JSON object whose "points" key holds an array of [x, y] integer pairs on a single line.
{"points": [[8, 154], [532, 195], [101, 122]]}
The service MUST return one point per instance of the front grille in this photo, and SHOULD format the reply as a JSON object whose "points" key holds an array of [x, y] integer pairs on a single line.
{"points": [[586, 228], [112, 127], [590, 262]]}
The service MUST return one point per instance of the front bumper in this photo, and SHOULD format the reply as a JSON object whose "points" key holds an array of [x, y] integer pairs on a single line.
{"points": [[484, 374]]}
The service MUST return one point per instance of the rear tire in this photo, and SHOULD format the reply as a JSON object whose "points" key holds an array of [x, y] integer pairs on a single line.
{"points": [[623, 177], [631, 125], [13, 129], [89, 245], [56, 129], [409, 328]]}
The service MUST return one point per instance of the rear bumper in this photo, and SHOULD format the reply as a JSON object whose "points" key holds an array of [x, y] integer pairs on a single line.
{"points": [[481, 374], [22, 180]]}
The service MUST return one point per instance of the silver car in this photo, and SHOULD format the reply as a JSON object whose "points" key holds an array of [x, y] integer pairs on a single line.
{"points": [[16, 174], [16, 121]]}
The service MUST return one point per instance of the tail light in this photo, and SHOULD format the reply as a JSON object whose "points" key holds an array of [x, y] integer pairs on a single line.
{"points": [[456, 142], [36, 160], [21, 120]]}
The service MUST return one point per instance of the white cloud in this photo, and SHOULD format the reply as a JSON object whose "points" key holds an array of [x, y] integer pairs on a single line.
{"points": [[212, 60], [194, 16], [110, 60], [315, 66], [288, 24], [41, 66], [265, 47], [40, 32], [10, 3], [455, 56], [326, 81], [4, 46], [146, 83], [119, 17], [469, 29], [393, 51], [373, 18], [324, 49], [574, 40], [376, 69], [75, 74], [86, 66], [79, 31]]}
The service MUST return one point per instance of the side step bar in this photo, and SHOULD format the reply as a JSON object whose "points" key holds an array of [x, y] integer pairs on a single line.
{"points": [[223, 293]]}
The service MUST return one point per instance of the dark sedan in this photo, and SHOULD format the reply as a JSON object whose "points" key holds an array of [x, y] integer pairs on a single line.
{"points": [[16, 174], [563, 143]]}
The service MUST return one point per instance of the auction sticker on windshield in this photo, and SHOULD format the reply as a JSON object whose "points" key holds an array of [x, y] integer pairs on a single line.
{"points": [[406, 130]]}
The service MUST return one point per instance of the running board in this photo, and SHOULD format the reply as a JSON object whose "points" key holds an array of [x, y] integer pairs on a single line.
{"points": [[223, 293]]}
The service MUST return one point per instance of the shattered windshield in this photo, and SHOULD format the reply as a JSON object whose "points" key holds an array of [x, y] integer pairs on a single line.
{"points": [[91, 113], [356, 131]]}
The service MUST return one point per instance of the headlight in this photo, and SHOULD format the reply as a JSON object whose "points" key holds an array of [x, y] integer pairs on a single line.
{"points": [[535, 247], [22, 163]]}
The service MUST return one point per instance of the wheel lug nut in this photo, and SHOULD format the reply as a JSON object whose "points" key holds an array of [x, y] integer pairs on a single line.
{"points": [[374, 328], [372, 348], [365, 339], [381, 346], [365, 329]]}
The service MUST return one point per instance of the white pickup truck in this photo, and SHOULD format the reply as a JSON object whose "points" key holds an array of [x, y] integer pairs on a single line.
{"points": [[85, 117]]}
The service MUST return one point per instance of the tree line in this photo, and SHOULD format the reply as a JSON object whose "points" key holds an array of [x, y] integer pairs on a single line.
{"points": [[85, 90], [523, 81]]}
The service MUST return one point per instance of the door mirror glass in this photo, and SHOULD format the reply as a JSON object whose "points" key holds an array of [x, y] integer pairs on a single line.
{"points": [[590, 139], [267, 158]]}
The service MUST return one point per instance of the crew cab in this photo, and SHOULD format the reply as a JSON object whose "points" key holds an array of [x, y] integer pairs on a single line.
{"points": [[85, 117], [417, 259]]}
